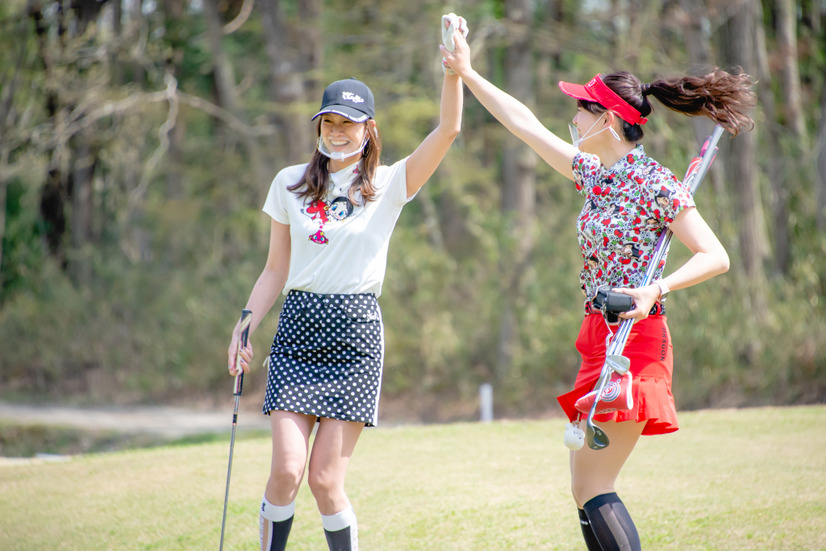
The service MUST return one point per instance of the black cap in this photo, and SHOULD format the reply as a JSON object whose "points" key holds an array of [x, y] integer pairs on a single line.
{"points": [[349, 98]]}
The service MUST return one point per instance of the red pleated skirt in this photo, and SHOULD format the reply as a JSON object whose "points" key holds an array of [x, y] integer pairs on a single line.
{"points": [[652, 364]]}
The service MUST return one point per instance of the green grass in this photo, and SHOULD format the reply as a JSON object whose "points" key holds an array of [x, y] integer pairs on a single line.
{"points": [[728, 480]]}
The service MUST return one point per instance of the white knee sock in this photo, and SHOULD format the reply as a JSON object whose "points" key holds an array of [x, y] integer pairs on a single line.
{"points": [[274, 526], [341, 530]]}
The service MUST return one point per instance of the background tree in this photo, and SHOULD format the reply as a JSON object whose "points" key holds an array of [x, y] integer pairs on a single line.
{"points": [[138, 140]]}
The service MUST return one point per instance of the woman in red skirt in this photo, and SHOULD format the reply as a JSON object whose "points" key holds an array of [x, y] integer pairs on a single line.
{"points": [[629, 201]]}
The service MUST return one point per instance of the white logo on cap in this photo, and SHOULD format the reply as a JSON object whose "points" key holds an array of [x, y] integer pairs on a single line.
{"points": [[350, 96]]}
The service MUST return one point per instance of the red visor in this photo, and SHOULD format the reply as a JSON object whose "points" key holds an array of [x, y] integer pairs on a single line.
{"points": [[597, 91]]}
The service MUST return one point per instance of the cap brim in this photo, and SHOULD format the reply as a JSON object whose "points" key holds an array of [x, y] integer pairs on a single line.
{"points": [[577, 91], [345, 111]]}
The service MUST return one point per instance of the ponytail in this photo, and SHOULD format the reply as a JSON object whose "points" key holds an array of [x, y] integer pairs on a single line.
{"points": [[723, 97]]}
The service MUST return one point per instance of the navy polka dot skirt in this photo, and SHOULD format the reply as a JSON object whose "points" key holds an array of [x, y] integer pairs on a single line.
{"points": [[326, 358]]}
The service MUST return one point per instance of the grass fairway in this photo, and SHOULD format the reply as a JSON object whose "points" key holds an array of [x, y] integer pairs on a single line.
{"points": [[728, 480]]}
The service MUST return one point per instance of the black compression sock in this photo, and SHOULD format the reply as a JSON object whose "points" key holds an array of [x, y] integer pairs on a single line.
{"points": [[587, 533], [341, 530], [611, 523], [275, 524]]}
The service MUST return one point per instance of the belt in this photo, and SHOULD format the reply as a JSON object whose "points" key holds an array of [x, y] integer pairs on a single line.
{"points": [[657, 310]]}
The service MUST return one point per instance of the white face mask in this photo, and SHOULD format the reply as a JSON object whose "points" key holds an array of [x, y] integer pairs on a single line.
{"points": [[572, 128], [341, 155]]}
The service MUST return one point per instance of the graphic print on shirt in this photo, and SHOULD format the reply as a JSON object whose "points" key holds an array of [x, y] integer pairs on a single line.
{"points": [[626, 208], [324, 213]]}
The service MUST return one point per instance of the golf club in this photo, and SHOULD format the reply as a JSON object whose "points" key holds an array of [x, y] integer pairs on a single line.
{"points": [[246, 318], [614, 360], [595, 436]]}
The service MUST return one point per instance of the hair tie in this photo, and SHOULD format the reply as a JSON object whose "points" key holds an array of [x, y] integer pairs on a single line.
{"points": [[645, 89]]}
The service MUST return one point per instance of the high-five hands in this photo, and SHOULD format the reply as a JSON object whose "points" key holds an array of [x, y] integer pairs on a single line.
{"points": [[450, 24]]}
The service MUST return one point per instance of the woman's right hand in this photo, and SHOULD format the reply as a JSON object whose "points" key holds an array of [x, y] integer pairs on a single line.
{"points": [[236, 356], [459, 60]]}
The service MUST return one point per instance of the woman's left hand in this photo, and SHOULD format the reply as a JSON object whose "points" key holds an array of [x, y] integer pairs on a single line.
{"points": [[644, 299]]}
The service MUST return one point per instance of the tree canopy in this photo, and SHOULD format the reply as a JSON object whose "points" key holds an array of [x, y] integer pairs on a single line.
{"points": [[138, 140]]}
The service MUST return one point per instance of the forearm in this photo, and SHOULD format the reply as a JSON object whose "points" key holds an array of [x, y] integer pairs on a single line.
{"points": [[450, 108], [423, 162], [522, 123], [709, 258], [700, 267]]}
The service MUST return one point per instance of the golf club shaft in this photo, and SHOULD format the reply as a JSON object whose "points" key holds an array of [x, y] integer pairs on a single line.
{"points": [[238, 386], [697, 169]]}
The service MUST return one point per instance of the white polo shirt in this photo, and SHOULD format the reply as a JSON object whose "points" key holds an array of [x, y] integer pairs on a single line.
{"points": [[337, 247]]}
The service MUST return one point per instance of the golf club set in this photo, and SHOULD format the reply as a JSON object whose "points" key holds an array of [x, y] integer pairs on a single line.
{"points": [[612, 303]]}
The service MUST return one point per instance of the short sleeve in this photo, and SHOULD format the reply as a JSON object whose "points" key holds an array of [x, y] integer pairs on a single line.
{"points": [[276, 205], [586, 169], [395, 178], [667, 195]]}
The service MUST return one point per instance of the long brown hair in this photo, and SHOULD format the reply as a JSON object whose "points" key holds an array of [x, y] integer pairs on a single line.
{"points": [[723, 97], [314, 183]]}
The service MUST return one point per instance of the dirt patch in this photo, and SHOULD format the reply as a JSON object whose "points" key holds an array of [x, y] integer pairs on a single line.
{"points": [[51, 433]]}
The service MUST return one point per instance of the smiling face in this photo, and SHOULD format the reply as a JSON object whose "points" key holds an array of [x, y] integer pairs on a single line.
{"points": [[340, 134]]}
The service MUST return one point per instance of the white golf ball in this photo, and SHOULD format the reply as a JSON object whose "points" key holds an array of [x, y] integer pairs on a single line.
{"points": [[574, 437]]}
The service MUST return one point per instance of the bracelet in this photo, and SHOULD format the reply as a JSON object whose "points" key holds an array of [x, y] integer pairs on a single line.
{"points": [[663, 287]]}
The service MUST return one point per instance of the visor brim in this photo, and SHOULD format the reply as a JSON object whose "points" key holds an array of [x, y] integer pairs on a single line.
{"points": [[577, 91], [345, 111]]}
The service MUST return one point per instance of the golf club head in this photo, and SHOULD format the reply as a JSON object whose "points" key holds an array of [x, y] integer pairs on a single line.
{"points": [[618, 363], [596, 437]]}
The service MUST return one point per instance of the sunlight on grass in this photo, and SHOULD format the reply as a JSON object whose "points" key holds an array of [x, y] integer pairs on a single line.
{"points": [[728, 480]]}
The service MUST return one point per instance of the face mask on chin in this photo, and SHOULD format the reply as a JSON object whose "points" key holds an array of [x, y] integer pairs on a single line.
{"points": [[340, 155]]}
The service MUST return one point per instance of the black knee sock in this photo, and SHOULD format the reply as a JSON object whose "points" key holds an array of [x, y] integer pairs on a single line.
{"points": [[275, 525], [611, 523], [587, 534], [341, 530]]}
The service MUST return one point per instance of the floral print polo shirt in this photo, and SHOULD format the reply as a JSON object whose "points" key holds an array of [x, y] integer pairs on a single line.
{"points": [[626, 209]]}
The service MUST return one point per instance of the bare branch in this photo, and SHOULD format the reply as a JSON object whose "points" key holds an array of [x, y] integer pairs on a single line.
{"points": [[80, 119], [241, 18]]}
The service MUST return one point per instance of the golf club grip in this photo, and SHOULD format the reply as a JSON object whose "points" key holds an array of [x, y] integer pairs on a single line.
{"points": [[246, 319]]}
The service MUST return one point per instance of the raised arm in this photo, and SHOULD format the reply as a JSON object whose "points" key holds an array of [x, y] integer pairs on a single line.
{"points": [[512, 113], [422, 163]]}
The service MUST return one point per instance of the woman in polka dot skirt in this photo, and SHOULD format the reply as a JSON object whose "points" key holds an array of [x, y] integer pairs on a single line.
{"points": [[331, 224], [629, 201]]}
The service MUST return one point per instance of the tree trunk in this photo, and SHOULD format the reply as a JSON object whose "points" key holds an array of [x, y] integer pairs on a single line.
{"points": [[738, 45], [777, 176], [697, 42], [294, 53], [518, 181], [789, 74], [53, 193], [7, 122], [4, 186], [81, 196], [175, 24], [136, 33], [224, 81], [821, 165]]}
